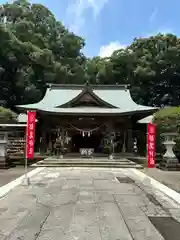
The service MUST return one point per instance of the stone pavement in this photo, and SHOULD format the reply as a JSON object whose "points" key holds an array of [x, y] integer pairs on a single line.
{"points": [[88, 204], [169, 178], [8, 175]]}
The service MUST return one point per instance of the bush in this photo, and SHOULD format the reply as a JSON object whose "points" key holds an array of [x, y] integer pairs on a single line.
{"points": [[7, 116], [160, 148], [168, 120], [176, 148]]}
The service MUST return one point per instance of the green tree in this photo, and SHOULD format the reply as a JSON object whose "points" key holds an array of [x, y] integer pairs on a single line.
{"points": [[35, 49], [156, 69]]}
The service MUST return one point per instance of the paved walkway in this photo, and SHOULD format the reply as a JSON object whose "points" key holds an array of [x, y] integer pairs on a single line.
{"points": [[88, 204], [169, 178], [8, 175]]}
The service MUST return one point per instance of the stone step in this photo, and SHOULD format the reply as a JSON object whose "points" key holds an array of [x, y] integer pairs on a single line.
{"points": [[100, 165], [98, 156], [85, 162], [88, 163], [86, 159], [78, 155]]}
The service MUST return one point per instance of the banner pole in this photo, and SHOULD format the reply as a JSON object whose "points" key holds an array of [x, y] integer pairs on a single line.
{"points": [[26, 180]]}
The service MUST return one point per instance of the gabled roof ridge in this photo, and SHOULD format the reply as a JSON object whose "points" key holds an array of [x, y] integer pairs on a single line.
{"points": [[93, 86], [87, 89]]}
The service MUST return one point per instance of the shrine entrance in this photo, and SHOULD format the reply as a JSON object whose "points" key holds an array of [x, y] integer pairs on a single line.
{"points": [[93, 141]]}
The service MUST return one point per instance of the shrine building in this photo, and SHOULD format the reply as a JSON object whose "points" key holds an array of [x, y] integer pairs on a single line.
{"points": [[85, 116]]}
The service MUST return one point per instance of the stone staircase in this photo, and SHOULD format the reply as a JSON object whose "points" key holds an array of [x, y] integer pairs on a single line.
{"points": [[87, 162]]}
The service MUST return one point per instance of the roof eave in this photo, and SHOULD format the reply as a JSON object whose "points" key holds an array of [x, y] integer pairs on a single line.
{"points": [[26, 108], [93, 86], [130, 113]]}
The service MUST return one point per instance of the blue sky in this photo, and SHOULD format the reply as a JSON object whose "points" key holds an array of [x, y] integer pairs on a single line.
{"points": [[108, 25]]}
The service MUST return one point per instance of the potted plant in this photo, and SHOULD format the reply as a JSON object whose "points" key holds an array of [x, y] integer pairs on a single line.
{"points": [[110, 144], [60, 144]]}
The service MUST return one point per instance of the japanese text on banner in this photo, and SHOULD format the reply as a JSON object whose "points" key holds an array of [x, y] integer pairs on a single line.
{"points": [[151, 145], [31, 134]]}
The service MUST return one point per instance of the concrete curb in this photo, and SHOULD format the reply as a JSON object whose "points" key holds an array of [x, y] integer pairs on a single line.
{"points": [[157, 185], [8, 187]]}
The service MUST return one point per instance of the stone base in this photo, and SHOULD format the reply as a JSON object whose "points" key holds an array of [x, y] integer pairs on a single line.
{"points": [[170, 164], [25, 181], [4, 163]]}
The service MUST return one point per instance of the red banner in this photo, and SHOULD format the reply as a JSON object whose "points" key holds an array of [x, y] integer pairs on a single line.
{"points": [[31, 124], [151, 145]]}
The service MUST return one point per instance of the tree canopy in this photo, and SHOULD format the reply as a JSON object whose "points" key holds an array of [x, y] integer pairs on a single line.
{"points": [[36, 49]]}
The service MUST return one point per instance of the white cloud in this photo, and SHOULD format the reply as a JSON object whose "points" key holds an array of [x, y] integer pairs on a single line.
{"points": [[76, 12], [153, 15], [107, 50]]}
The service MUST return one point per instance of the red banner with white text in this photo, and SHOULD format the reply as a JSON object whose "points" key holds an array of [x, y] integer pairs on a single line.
{"points": [[31, 125], [151, 145]]}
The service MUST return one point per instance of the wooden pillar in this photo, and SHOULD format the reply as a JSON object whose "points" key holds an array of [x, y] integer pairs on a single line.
{"points": [[129, 141], [110, 126], [124, 142], [50, 141], [43, 142]]}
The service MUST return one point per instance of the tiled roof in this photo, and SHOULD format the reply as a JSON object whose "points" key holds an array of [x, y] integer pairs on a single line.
{"points": [[57, 95]]}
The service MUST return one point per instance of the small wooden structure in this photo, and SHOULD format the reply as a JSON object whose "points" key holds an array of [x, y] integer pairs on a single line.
{"points": [[12, 141]]}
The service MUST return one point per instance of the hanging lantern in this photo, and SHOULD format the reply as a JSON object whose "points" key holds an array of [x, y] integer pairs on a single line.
{"points": [[89, 134], [83, 134]]}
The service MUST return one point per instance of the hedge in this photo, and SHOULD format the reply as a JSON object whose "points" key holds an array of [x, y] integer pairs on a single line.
{"points": [[168, 120], [7, 116]]}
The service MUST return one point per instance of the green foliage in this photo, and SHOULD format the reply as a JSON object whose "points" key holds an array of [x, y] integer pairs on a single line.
{"points": [[152, 68], [150, 65], [7, 116], [168, 119], [36, 49], [176, 148], [109, 143], [160, 148]]}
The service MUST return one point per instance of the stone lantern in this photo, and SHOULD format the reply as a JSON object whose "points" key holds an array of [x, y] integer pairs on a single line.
{"points": [[169, 158]]}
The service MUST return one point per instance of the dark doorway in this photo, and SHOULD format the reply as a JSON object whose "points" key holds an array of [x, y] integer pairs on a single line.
{"points": [[79, 141]]}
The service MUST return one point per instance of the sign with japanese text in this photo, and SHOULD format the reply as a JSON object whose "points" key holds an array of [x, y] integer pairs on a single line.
{"points": [[151, 145], [31, 124], [87, 152]]}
